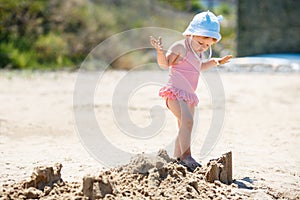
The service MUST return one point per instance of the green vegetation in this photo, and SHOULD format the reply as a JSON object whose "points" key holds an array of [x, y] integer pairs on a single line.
{"points": [[187, 6], [40, 34]]}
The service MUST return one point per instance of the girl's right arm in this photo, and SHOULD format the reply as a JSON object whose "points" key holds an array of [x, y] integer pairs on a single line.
{"points": [[171, 58], [161, 56], [162, 59]]}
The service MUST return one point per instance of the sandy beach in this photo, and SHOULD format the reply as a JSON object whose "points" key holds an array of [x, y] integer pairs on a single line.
{"points": [[261, 127]]}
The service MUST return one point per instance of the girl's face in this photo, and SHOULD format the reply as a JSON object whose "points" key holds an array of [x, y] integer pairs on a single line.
{"points": [[200, 43]]}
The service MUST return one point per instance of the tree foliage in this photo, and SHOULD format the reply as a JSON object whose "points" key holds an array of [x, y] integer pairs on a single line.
{"points": [[54, 34]]}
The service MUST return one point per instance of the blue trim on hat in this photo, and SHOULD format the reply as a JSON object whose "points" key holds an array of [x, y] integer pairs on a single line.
{"points": [[205, 24]]}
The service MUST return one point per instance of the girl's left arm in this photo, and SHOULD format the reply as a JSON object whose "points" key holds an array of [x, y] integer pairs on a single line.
{"points": [[215, 62]]}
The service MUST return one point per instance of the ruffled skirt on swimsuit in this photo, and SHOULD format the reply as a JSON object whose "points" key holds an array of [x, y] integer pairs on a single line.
{"points": [[169, 92]]}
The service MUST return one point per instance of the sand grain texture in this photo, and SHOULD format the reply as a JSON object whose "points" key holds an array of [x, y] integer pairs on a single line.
{"points": [[146, 176], [261, 128]]}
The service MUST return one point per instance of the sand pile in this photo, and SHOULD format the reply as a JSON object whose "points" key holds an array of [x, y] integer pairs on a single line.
{"points": [[44, 183], [145, 177]]}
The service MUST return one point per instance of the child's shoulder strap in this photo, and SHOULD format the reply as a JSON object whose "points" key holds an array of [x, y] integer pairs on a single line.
{"points": [[178, 48]]}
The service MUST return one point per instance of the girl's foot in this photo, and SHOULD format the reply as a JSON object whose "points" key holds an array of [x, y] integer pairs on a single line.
{"points": [[190, 163]]}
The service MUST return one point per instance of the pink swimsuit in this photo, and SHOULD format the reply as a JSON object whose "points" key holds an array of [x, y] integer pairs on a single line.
{"points": [[183, 79]]}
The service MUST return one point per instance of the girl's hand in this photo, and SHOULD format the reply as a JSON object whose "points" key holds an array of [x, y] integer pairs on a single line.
{"points": [[224, 59], [156, 43], [215, 62]]}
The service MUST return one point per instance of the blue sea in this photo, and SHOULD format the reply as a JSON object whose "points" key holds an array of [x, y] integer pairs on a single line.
{"points": [[284, 63]]}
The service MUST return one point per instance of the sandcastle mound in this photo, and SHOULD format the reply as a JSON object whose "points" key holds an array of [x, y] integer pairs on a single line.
{"points": [[144, 177]]}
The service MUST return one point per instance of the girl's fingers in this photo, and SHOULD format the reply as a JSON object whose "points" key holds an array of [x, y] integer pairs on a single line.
{"points": [[226, 59], [156, 43], [153, 41]]}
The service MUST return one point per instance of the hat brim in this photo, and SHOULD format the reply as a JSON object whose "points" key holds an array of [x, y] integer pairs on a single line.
{"points": [[204, 33]]}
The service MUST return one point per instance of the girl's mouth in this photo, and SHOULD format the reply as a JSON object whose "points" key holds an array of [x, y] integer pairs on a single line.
{"points": [[199, 49]]}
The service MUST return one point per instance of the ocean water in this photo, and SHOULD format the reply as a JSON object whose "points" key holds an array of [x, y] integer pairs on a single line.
{"points": [[283, 63]]}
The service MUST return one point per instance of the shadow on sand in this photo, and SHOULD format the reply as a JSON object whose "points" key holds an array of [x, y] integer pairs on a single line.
{"points": [[244, 183]]}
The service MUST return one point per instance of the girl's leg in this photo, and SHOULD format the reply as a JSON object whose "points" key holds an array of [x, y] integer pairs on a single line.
{"points": [[177, 151], [184, 114]]}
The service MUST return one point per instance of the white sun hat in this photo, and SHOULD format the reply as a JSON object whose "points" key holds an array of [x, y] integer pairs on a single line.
{"points": [[205, 24]]}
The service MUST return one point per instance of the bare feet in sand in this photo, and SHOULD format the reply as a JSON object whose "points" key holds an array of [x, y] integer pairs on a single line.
{"points": [[190, 163]]}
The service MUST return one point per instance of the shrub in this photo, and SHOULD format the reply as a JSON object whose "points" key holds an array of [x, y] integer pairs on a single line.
{"points": [[12, 57], [50, 48]]}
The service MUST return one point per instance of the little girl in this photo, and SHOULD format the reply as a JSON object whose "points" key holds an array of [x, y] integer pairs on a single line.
{"points": [[185, 59]]}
